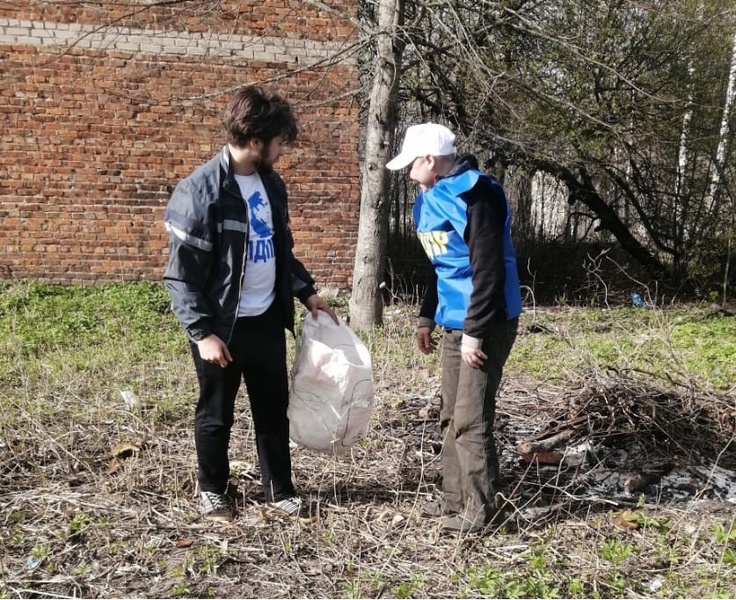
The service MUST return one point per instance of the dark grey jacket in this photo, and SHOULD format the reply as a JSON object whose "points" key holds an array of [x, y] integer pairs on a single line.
{"points": [[207, 222]]}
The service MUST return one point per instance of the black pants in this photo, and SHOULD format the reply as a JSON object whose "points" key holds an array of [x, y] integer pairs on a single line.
{"points": [[258, 348], [470, 470]]}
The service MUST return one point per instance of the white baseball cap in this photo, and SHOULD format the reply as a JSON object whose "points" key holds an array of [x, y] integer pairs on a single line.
{"points": [[422, 140]]}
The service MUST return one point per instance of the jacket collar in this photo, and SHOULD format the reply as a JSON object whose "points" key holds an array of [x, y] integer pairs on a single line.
{"points": [[226, 166]]}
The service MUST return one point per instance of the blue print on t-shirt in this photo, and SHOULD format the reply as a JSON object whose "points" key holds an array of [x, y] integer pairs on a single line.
{"points": [[261, 248], [258, 208]]}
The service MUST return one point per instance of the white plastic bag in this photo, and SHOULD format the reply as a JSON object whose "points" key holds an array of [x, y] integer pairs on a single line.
{"points": [[331, 395]]}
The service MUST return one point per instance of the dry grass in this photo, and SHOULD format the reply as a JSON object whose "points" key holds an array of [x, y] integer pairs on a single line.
{"points": [[98, 498]]}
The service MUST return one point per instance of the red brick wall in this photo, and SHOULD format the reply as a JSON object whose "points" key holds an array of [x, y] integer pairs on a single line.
{"points": [[102, 112]]}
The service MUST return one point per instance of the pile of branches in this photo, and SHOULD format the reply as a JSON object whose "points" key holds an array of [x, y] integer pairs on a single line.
{"points": [[611, 409]]}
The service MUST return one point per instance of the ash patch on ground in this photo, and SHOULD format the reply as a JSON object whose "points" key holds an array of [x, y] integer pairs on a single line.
{"points": [[602, 442]]}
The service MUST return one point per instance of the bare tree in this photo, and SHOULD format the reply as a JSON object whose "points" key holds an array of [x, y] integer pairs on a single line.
{"points": [[366, 304], [594, 94]]}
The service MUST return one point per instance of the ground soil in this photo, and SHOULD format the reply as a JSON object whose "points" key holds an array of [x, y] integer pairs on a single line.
{"points": [[111, 510]]}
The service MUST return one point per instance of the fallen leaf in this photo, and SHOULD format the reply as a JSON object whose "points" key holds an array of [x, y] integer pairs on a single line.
{"points": [[627, 520], [543, 458]]}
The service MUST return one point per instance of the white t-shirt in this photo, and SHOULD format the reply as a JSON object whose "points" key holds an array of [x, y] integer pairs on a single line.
{"points": [[260, 265]]}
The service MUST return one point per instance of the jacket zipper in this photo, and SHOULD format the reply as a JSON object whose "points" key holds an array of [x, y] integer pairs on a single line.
{"points": [[242, 271]]}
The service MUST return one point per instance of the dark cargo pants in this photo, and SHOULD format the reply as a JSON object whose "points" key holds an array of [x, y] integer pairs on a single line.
{"points": [[470, 470]]}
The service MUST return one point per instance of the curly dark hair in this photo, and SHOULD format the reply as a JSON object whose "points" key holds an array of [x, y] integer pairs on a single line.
{"points": [[257, 113]]}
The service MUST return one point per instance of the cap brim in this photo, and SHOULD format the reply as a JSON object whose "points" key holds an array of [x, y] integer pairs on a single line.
{"points": [[399, 162]]}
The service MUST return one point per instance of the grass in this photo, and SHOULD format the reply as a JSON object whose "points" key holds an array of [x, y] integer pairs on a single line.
{"points": [[98, 496], [682, 344]]}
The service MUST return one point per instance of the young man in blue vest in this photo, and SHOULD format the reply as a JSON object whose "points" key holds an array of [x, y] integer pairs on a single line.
{"points": [[232, 277], [463, 222]]}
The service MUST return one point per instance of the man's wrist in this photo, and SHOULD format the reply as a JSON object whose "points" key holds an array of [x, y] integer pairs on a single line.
{"points": [[305, 293], [199, 334], [425, 322], [471, 342]]}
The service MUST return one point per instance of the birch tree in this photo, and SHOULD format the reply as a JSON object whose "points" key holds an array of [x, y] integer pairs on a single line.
{"points": [[725, 130]]}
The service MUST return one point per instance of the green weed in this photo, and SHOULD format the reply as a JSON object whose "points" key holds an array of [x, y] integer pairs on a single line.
{"points": [[729, 557], [209, 557], [490, 582], [41, 552], [725, 534], [616, 552], [79, 523], [645, 521], [410, 588], [351, 589], [180, 590]]}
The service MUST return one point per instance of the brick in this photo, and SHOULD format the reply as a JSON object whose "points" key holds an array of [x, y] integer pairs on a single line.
{"points": [[129, 119]]}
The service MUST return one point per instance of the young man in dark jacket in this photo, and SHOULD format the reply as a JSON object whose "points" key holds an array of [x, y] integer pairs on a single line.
{"points": [[464, 225], [232, 277]]}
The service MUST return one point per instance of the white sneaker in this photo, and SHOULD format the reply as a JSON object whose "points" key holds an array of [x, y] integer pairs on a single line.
{"points": [[295, 507], [217, 507]]}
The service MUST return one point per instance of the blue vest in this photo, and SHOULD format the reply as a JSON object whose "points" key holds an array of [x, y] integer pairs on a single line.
{"points": [[441, 217]]}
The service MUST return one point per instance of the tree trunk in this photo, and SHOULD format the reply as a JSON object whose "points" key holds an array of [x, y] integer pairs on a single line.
{"points": [[725, 121], [366, 303]]}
